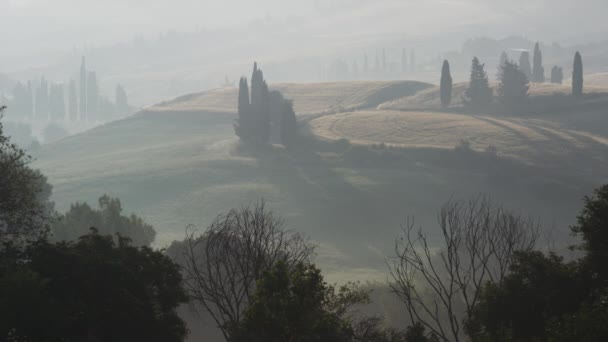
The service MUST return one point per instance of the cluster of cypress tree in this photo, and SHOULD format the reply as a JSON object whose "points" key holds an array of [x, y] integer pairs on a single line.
{"points": [[43, 100], [479, 94], [264, 114]]}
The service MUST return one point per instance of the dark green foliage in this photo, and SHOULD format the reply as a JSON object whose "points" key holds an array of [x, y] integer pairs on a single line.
{"points": [[545, 299], [503, 58], [94, 289], [24, 194], [445, 88], [297, 305], [513, 87], [253, 123], [108, 219], [538, 289], [557, 75], [524, 64], [244, 123], [289, 125], [417, 333], [258, 118], [592, 227], [479, 94], [83, 90], [577, 76], [538, 71]]}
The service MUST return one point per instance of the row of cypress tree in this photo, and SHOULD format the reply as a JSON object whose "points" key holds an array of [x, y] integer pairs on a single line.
{"points": [[514, 82], [265, 115]]}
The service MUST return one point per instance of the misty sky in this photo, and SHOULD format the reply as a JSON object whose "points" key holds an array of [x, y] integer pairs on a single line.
{"points": [[38, 26]]}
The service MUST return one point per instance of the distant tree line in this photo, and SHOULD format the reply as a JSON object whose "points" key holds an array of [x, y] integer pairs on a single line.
{"points": [[264, 115], [382, 66], [59, 102], [514, 83]]}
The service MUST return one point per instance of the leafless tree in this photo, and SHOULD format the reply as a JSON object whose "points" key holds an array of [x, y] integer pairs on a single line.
{"points": [[440, 286], [223, 264]]}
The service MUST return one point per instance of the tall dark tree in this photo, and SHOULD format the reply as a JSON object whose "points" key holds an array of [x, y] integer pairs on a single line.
{"points": [[445, 89], [92, 97], [289, 125], [479, 94], [577, 76], [513, 87], [501, 61], [538, 71], [121, 100], [72, 102], [592, 227], [557, 75], [24, 194], [365, 64], [243, 126], [83, 90], [260, 106], [524, 64]]}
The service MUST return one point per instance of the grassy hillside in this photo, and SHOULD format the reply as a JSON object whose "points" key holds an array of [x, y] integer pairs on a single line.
{"points": [[314, 98], [179, 163], [536, 142]]}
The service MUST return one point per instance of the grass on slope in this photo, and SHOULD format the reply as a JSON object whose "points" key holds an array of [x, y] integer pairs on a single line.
{"points": [[312, 98], [532, 141]]}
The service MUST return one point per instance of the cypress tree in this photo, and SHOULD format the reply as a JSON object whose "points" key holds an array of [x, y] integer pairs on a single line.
{"points": [[557, 75], [524, 64], [72, 102], [242, 127], [263, 115], [445, 88], [92, 101], [289, 125], [479, 94], [121, 100], [513, 87], [538, 71], [577, 76], [365, 64], [503, 58], [83, 90]]}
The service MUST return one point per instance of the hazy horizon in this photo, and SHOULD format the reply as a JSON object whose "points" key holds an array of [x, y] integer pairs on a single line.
{"points": [[34, 30]]}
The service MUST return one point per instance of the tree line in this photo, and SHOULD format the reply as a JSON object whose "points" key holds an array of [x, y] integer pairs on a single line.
{"points": [[77, 101], [264, 115], [514, 82]]}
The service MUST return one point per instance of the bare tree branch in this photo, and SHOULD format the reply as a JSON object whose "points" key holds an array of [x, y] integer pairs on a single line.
{"points": [[223, 264], [478, 242]]}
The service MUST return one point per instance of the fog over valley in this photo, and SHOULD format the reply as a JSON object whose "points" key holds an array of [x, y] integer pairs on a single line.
{"points": [[303, 171]]}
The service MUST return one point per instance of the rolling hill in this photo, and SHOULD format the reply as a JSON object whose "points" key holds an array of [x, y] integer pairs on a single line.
{"points": [[179, 163]]}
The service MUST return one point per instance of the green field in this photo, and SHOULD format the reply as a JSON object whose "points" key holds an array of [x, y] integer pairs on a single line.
{"points": [[179, 163]]}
